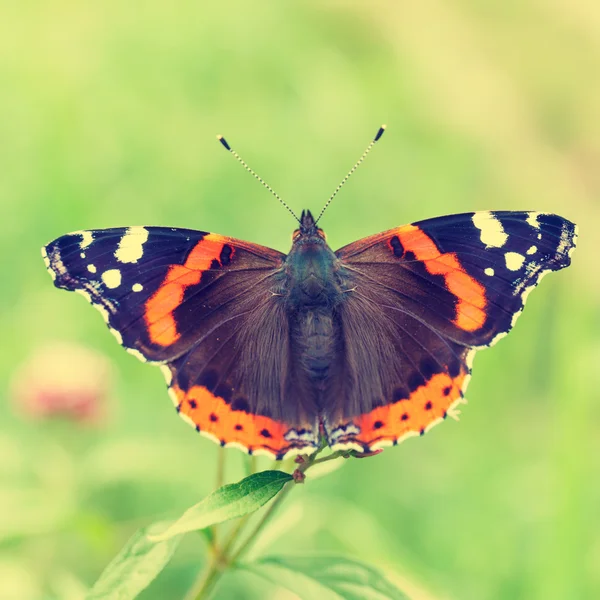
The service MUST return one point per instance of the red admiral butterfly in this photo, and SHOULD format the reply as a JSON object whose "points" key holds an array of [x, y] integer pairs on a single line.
{"points": [[364, 346]]}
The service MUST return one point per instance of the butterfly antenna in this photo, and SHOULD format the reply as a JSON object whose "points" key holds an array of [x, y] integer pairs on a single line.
{"points": [[260, 179], [364, 155]]}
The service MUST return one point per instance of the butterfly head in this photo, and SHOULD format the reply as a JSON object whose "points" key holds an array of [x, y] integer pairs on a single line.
{"points": [[308, 230]]}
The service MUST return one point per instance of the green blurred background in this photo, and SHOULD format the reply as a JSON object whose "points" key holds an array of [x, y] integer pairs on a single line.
{"points": [[108, 116]]}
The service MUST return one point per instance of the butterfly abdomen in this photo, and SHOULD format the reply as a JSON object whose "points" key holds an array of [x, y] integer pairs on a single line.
{"points": [[315, 343]]}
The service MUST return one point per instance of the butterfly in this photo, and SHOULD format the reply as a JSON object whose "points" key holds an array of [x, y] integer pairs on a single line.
{"points": [[276, 354]]}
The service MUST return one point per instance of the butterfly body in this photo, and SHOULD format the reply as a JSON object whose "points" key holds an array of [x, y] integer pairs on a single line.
{"points": [[312, 291], [365, 346]]}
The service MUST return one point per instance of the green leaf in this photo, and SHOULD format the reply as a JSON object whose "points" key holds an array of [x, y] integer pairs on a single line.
{"points": [[326, 578], [134, 568], [229, 502]]}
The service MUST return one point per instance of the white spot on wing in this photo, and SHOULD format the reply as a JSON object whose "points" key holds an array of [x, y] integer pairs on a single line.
{"points": [[492, 232], [532, 250], [532, 219], [91, 268], [514, 260], [130, 248], [489, 272], [137, 287], [112, 278], [86, 239]]}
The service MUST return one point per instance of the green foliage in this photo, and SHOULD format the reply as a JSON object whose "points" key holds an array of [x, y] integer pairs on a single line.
{"points": [[228, 502], [326, 578], [147, 553], [134, 568], [151, 548]]}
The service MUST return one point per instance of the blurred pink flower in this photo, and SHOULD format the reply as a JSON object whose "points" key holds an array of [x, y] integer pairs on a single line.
{"points": [[63, 380]]}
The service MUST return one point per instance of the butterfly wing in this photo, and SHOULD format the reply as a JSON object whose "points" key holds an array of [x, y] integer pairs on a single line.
{"points": [[205, 308], [422, 298]]}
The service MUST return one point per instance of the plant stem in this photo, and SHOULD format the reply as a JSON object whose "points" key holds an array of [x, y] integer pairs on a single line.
{"points": [[205, 582], [223, 557], [233, 536], [318, 461], [220, 481], [313, 460], [219, 564], [260, 525]]}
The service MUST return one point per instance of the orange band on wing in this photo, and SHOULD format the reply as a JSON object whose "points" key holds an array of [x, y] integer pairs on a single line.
{"points": [[425, 407], [214, 418], [162, 328], [470, 313]]}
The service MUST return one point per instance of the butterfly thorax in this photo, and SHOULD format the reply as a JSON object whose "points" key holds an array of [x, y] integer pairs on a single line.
{"points": [[311, 279], [311, 269]]}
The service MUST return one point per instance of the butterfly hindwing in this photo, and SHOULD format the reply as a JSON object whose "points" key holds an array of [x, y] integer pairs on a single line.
{"points": [[400, 375], [202, 305], [442, 288], [236, 385]]}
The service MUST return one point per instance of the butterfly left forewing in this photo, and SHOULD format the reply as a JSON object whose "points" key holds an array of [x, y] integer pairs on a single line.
{"points": [[445, 287], [144, 280]]}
